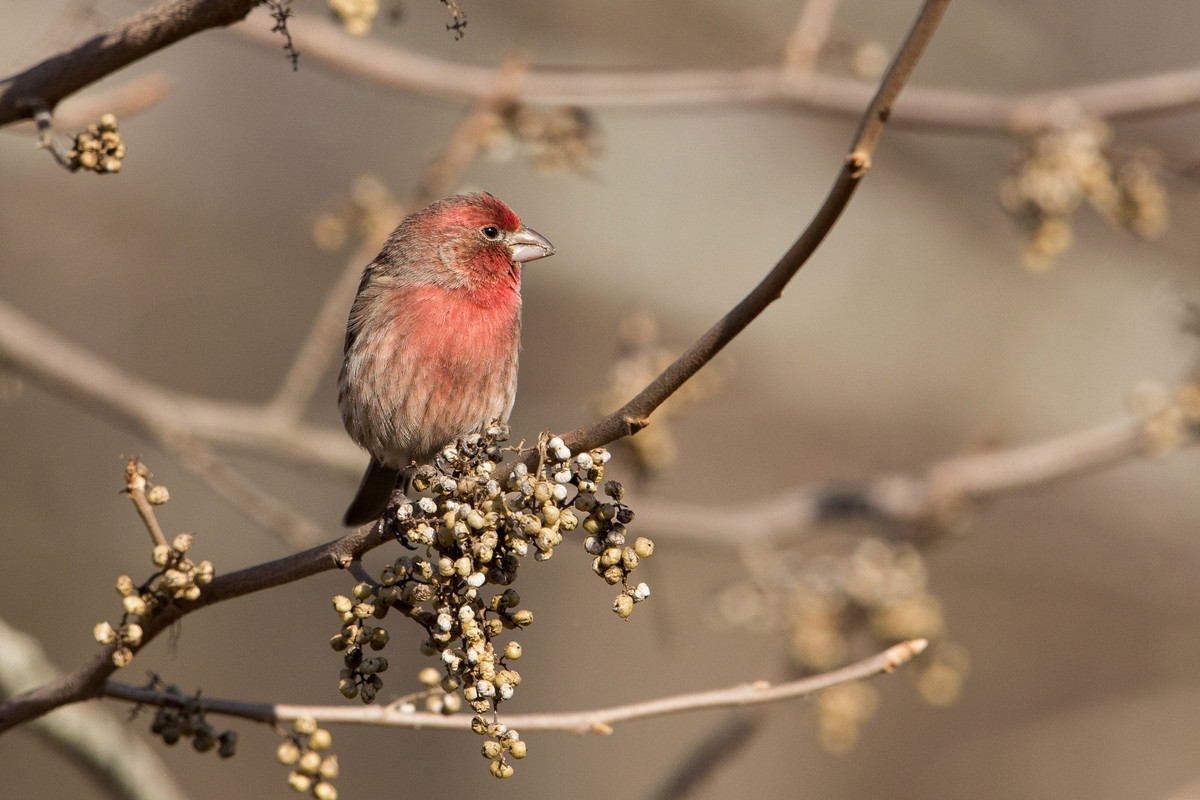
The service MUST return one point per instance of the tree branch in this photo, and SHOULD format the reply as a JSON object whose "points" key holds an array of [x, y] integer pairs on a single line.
{"points": [[942, 109], [635, 414], [595, 721], [924, 497], [46, 83], [87, 680]]}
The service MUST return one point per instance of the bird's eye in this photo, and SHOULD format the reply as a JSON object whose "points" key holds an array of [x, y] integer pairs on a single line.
{"points": [[490, 232]]}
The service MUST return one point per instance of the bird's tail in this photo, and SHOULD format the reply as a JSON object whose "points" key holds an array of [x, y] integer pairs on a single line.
{"points": [[373, 494]]}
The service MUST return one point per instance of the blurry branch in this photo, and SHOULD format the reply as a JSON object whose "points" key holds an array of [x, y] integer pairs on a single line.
{"points": [[129, 98], [952, 110], [124, 765], [595, 721], [804, 45], [713, 752], [634, 415], [44, 84], [65, 369], [937, 496]]}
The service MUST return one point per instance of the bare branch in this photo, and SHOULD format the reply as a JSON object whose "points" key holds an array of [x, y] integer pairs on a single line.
{"points": [[87, 680], [45, 358], [135, 489], [635, 414], [925, 497], [944, 109], [44, 84], [595, 721], [809, 36]]}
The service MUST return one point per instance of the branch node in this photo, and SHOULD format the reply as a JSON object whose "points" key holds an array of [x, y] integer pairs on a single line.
{"points": [[858, 162]]}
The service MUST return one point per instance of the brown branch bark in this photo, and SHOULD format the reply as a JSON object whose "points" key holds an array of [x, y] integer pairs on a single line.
{"points": [[87, 680], [44, 84]]}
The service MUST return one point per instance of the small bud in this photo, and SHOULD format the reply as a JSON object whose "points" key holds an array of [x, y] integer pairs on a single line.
{"points": [[324, 791], [131, 634], [227, 744], [320, 739], [287, 753], [501, 769], [309, 762], [623, 606], [329, 768], [157, 495], [135, 605], [305, 726], [122, 656], [643, 547], [430, 676], [491, 749], [512, 650], [125, 586], [162, 555], [104, 633], [518, 749], [299, 782]]}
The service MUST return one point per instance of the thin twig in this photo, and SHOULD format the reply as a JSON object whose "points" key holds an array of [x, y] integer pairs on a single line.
{"points": [[635, 414], [46, 140], [961, 111], [810, 34], [599, 721], [135, 488]]}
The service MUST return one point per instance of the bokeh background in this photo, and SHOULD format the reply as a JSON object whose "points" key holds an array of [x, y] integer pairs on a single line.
{"points": [[914, 332]]}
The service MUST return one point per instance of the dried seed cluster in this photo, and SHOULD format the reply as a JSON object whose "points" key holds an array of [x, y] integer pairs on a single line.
{"points": [[98, 148], [555, 139], [313, 769], [172, 724], [177, 578], [357, 16], [1063, 168], [474, 525], [1168, 421], [835, 606]]}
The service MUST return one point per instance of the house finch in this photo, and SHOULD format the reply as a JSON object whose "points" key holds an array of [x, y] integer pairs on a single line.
{"points": [[432, 340]]}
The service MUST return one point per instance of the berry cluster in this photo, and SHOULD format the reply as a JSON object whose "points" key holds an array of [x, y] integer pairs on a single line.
{"points": [[303, 749], [177, 578], [475, 523], [98, 148], [833, 606], [1066, 167], [188, 719]]}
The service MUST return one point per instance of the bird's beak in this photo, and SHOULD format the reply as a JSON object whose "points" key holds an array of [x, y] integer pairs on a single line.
{"points": [[529, 245]]}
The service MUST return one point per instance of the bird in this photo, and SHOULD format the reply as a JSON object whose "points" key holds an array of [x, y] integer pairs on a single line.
{"points": [[432, 338]]}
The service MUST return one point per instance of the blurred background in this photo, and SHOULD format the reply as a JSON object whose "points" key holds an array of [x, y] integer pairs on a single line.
{"points": [[917, 332]]}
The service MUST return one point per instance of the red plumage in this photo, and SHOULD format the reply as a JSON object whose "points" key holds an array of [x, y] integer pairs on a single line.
{"points": [[432, 339]]}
